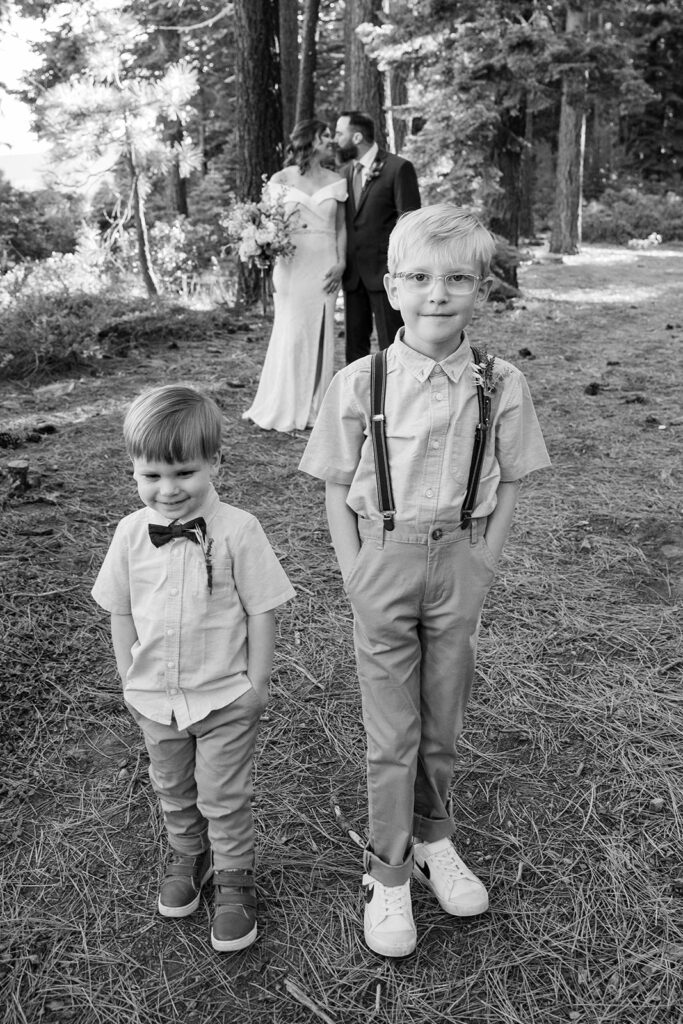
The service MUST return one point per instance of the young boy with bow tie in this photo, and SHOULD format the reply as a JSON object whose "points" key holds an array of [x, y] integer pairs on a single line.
{"points": [[192, 585]]}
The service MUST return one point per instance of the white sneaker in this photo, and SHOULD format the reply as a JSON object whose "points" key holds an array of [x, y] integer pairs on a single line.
{"points": [[457, 889], [388, 920]]}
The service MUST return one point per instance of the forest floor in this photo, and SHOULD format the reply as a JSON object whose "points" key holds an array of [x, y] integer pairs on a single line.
{"points": [[567, 790]]}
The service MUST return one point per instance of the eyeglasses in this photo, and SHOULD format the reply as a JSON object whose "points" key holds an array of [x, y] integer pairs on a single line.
{"points": [[420, 283]]}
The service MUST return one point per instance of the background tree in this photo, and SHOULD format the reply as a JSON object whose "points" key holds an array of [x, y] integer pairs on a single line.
{"points": [[363, 84], [288, 34], [305, 100], [566, 230]]}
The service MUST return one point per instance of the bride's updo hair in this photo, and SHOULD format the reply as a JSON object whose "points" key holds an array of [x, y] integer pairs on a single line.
{"points": [[300, 148]]}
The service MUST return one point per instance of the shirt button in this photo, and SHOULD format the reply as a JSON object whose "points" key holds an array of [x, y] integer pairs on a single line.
{"points": [[435, 444], [173, 591], [438, 396], [429, 492], [173, 692], [437, 534], [170, 664], [169, 632]]}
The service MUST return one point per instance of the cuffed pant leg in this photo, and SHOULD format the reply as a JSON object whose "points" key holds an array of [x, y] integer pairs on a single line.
{"points": [[226, 739], [172, 774]]}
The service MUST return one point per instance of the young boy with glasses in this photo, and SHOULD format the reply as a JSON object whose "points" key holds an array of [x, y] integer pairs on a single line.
{"points": [[417, 574]]}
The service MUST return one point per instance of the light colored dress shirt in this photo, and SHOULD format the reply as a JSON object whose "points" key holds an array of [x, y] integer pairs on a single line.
{"points": [[190, 657], [431, 415], [366, 162]]}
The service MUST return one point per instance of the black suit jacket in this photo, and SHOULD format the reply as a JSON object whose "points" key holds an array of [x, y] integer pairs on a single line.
{"points": [[388, 194]]}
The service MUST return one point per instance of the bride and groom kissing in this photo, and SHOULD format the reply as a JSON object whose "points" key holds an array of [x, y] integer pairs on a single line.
{"points": [[341, 236]]}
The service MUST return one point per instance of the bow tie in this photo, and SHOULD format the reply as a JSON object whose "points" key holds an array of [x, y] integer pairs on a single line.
{"points": [[163, 534]]}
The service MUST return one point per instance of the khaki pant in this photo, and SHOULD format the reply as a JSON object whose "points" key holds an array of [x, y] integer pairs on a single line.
{"points": [[203, 778], [417, 601]]}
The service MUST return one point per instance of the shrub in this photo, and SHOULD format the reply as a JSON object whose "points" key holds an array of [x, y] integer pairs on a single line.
{"points": [[43, 335], [620, 215]]}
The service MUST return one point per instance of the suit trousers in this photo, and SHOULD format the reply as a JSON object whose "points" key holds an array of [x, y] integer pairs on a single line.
{"points": [[359, 307], [203, 778], [417, 601]]}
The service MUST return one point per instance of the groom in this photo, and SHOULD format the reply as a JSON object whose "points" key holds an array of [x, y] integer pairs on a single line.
{"points": [[381, 187]]}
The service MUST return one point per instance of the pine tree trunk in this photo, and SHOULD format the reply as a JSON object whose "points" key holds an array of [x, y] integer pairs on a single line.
{"points": [[258, 120], [305, 99], [141, 235], [527, 184], [289, 62], [363, 84], [258, 114], [566, 228], [397, 95], [176, 186]]}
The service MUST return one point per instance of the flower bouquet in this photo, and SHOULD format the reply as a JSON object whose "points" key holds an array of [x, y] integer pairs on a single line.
{"points": [[262, 232]]}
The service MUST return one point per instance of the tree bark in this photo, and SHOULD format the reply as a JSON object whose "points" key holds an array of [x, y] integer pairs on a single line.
{"points": [[363, 84], [566, 228], [258, 122], [289, 62], [176, 185], [258, 113], [527, 228], [141, 233], [507, 156], [305, 99]]}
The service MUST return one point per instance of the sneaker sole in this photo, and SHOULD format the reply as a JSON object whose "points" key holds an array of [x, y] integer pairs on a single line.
{"points": [[452, 908], [396, 951], [233, 945], [189, 908]]}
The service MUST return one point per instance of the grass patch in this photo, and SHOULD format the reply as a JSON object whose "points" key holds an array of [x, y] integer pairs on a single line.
{"points": [[567, 790]]}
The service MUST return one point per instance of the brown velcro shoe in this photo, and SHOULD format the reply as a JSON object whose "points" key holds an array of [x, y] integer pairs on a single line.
{"points": [[182, 883], [235, 905]]}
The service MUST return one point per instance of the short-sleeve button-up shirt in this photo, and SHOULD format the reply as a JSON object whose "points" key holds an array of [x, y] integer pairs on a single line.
{"points": [[190, 656], [431, 414]]}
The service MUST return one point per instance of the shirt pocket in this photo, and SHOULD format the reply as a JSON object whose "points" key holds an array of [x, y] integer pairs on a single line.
{"points": [[213, 576]]}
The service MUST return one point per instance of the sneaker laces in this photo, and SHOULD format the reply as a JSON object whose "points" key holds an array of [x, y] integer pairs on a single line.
{"points": [[396, 900], [449, 863]]}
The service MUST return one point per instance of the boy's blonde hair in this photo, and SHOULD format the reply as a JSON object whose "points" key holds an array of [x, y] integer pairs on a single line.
{"points": [[442, 230], [172, 423]]}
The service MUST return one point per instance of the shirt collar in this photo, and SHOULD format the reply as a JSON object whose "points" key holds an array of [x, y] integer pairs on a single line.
{"points": [[368, 158], [421, 366], [207, 510]]}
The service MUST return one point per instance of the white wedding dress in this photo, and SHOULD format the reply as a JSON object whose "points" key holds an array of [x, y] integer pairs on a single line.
{"points": [[299, 363]]}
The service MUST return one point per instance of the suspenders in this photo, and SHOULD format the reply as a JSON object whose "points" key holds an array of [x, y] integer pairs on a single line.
{"points": [[385, 496]]}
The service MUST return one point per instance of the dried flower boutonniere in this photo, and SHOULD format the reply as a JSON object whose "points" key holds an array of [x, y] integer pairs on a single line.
{"points": [[206, 545], [375, 170], [488, 374]]}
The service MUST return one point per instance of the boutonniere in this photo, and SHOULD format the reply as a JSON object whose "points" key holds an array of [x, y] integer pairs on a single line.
{"points": [[375, 171], [206, 546], [488, 374]]}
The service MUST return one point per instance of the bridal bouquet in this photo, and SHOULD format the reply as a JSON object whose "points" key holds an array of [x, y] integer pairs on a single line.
{"points": [[262, 230]]}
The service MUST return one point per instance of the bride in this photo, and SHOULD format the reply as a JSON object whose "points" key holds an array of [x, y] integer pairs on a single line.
{"points": [[299, 362]]}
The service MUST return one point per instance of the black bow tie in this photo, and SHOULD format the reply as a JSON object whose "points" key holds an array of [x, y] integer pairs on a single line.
{"points": [[163, 534]]}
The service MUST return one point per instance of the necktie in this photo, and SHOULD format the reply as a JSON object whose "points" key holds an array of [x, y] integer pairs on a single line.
{"points": [[357, 182], [163, 534]]}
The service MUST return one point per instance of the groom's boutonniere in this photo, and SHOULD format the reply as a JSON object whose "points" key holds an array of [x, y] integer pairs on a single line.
{"points": [[375, 171]]}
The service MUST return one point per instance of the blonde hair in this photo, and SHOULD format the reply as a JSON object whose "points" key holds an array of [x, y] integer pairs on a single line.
{"points": [[172, 423], [444, 230]]}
